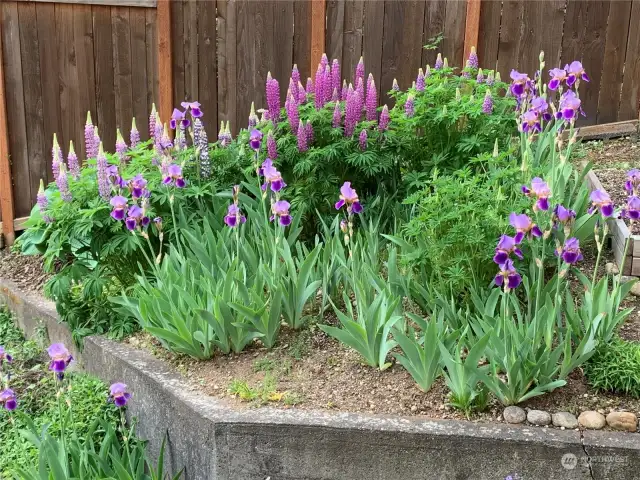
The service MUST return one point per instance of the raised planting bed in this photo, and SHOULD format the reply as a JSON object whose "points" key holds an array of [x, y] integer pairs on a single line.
{"points": [[218, 439], [611, 161]]}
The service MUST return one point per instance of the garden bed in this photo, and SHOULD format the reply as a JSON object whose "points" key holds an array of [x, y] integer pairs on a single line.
{"points": [[217, 440]]}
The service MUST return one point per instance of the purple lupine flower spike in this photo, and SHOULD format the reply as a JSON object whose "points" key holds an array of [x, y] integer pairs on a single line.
{"points": [[480, 76], [570, 251], [524, 227], [335, 75], [439, 63], [157, 136], [601, 201], [337, 116], [351, 114], [280, 209], [309, 88], [119, 395], [60, 358], [487, 103], [121, 147], [234, 216], [508, 276], [349, 197], [56, 160], [490, 80], [153, 116], [43, 203], [292, 115], [420, 81], [104, 187], [91, 149], [359, 74], [343, 92], [319, 88], [273, 98], [383, 123], [308, 130], [302, 138], [326, 86], [335, 96], [324, 61], [472, 61], [72, 161], [253, 118], [369, 80], [8, 399], [96, 141], [134, 135], [63, 184], [363, 139], [408, 107], [506, 246], [295, 77], [371, 103], [272, 148], [394, 86], [202, 145], [165, 139]]}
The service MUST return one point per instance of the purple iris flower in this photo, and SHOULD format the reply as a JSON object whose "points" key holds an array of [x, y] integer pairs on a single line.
{"points": [[508, 276], [541, 107], [601, 201], [633, 181], [349, 197], [570, 251], [255, 139], [119, 204], [506, 245], [558, 75], [193, 107], [4, 356], [8, 399], [267, 163], [273, 178], [519, 83], [138, 186], [60, 358], [174, 175], [234, 216], [280, 209], [530, 122], [563, 215], [524, 226], [632, 209], [575, 70], [569, 105], [176, 116], [134, 217], [118, 394], [541, 191]]}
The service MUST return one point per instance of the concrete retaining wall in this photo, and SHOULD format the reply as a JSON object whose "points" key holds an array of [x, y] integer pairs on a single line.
{"points": [[217, 442]]}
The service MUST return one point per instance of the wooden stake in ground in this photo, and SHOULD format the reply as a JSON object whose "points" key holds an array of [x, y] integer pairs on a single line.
{"points": [[6, 189]]}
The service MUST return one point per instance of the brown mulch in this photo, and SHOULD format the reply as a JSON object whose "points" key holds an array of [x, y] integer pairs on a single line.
{"points": [[24, 270]]}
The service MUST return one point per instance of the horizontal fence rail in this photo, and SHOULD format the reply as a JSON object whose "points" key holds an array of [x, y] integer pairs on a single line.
{"points": [[114, 58]]}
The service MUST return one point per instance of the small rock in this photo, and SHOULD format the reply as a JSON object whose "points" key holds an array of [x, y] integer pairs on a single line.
{"points": [[592, 420], [611, 268], [414, 408], [539, 417], [514, 414], [635, 290], [626, 278], [622, 421], [564, 420]]}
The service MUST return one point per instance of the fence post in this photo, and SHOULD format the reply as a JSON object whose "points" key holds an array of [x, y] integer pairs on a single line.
{"points": [[472, 26], [165, 73], [6, 190], [318, 20]]}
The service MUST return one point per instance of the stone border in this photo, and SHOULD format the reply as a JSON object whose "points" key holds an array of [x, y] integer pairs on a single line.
{"points": [[215, 441]]}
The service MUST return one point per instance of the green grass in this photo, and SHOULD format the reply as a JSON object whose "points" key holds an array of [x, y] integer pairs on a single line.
{"points": [[36, 392], [615, 367]]}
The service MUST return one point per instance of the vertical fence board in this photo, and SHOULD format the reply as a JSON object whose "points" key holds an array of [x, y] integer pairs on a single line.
{"points": [[207, 80], [282, 43], [32, 98], [190, 44], [453, 43], [574, 31], [352, 37], [67, 74], [490, 19], [122, 65], [509, 43], [151, 57], [434, 18], [372, 41], [630, 98], [15, 108], [165, 54], [302, 38], [138, 70], [83, 38], [542, 30], [105, 93], [614, 56], [471, 26], [178, 60], [227, 69], [334, 37]]}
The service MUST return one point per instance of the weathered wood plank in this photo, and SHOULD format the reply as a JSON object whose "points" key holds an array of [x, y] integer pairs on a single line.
{"points": [[165, 59], [152, 68], [115, 3], [14, 97], [334, 37], [30, 53], [207, 58], [509, 42], [122, 66], [471, 26], [454, 25], [318, 19], [139, 84], [190, 45], [282, 44], [67, 74], [227, 67], [48, 51], [630, 98], [83, 38], [105, 91], [542, 31], [6, 187], [490, 18], [573, 38], [352, 37], [372, 41], [302, 38], [177, 50]]}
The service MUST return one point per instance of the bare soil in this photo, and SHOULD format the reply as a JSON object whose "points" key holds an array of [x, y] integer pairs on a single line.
{"points": [[24, 270]]}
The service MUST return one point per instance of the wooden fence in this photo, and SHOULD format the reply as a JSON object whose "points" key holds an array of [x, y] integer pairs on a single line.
{"points": [[114, 58]]}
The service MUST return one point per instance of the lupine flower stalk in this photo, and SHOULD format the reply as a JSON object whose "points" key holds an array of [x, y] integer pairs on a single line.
{"points": [[445, 63], [487, 104], [89, 140], [134, 136], [324, 61], [104, 187], [420, 81], [383, 123], [395, 87], [326, 86], [153, 116], [272, 148], [319, 88], [295, 80], [408, 107], [351, 114], [157, 136], [362, 139], [43, 203], [473, 58], [96, 140], [121, 147], [345, 89], [309, 88], [359, 75], [480, 76], [202, 144], [490, 78], [335, 75], [308, 129], [292, 114], [335, 96], [371, 103], [63, 184], [337, 116], [253, 118], [72, 161], [273, 98], [56, 160], [439, 63], [302, 138]]}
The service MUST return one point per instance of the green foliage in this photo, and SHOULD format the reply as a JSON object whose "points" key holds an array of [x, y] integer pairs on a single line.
{"points": [[615, 367]]}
